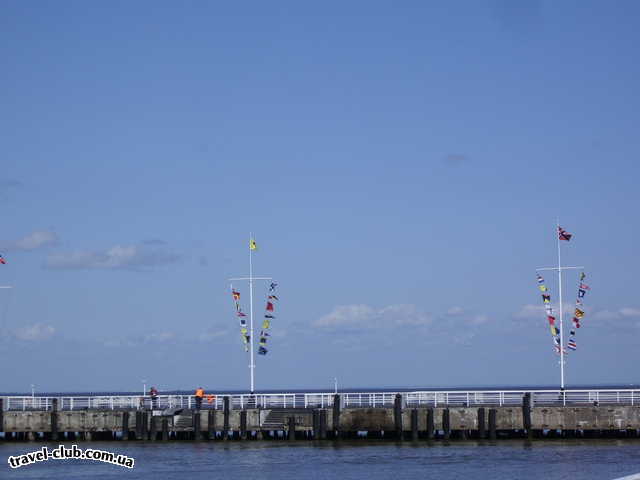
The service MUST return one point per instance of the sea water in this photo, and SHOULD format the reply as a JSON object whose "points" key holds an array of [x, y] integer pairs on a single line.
{"points": [[365, 459]]}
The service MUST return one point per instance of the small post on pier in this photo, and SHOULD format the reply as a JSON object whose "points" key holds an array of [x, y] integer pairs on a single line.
{"points": [[54, 420], [430, 423], [482, 429], [526, 414], [414, 424], [211, 424], [153, 428], [196, 426], [492, 423], [243, 424], [225, 403], [336, 414], [292, 428], [145, 425], [323, 424], [165, 429], [315, 420], [446, 424], [397, 415], [137, 426], [1, 415], [125, 426]]}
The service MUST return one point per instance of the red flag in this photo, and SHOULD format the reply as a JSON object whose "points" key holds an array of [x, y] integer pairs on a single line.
{"points": [[2, 260], [563, 234], [552, 320], [236, 295], [270, 306]]}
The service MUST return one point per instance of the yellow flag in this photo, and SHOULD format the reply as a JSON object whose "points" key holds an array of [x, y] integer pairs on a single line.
{"points": [[252, 244]]}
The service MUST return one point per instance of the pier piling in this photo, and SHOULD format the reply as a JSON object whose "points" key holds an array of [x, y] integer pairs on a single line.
{"points": [[397, 415], [211, 424], [430, 423], [336, 414], [292, 428], [446, 424], [481, 424], [165, 429], [54, 420], [226, 413], [243, 425], [125, 426], [196, 426], [323, 424], [414, 424], [492, 423]]}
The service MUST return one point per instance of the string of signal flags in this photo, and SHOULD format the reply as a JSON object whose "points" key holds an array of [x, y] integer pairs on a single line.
{"points": [[268, 316], [578, 313]]}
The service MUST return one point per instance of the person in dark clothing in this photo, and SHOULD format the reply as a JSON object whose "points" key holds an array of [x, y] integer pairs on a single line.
{"points": [[199, 395], [153, 392]]}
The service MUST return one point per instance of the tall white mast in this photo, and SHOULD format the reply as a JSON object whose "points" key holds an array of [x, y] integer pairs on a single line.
{"points": [[560, 268], [251, 278], [252, 365], [560, 309]]}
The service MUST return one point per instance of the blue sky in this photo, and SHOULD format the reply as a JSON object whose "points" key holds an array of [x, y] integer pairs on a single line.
{"points": [[402, 167]]}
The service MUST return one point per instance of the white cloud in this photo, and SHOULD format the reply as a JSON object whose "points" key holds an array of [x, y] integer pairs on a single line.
{"points": [[454, 311], [621, 313], [211, 334], [479, 319], [347, 315], [366, 317], [630, 312], [159, 337], [530, 312], [117, 257], [33, 241], [34, 333]]}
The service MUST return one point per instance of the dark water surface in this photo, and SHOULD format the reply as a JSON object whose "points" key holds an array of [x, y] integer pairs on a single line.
{"points": [[547, 460]]}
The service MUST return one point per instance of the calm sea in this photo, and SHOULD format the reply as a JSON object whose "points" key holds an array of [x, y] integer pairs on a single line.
{"points": [[548, 460]]}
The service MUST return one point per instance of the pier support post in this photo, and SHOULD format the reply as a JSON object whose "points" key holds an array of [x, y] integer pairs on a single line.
{"points": [[54, 419], [139, 428], [397, 415], [414, 424], [323, 424], [1, 415], [292, 428], [446, 424], [481, 424], [243, 424], [196, 426], [125, 425], [336, 414], [430, 423], [225, 433], [315, 423], [153, 428], [145, 425], [492, 423], [165, 429], [211, 424], [526, 414]]}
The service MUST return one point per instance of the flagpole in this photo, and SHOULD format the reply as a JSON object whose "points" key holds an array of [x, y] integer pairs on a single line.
{"points": [[560, 309], [252, 366]]}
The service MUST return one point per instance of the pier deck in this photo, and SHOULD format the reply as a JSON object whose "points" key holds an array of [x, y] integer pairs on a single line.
{"points": [[401, 415]]}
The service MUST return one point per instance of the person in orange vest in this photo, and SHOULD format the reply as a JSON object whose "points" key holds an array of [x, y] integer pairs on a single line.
{"points": [[199, 396]]}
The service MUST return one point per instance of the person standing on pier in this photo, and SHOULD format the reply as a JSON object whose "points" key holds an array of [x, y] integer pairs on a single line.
{"points": [[153, 392], [199, 396]]}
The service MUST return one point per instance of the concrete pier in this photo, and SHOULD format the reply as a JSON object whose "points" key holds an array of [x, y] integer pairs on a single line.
{"points": [[247, 424]]}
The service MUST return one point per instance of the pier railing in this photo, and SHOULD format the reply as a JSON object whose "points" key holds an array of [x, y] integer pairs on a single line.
{"points": [[324, 400]]}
